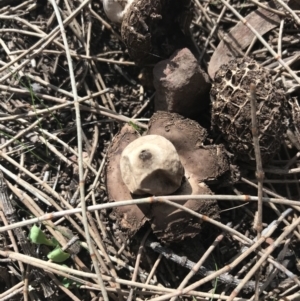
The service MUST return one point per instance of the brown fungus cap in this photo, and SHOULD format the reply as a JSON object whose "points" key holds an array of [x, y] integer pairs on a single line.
{"points": [[201, 164]]}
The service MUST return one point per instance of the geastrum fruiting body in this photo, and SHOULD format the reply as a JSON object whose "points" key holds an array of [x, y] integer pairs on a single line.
{"points": [[152, 29], [201, 164], [231, 109]]}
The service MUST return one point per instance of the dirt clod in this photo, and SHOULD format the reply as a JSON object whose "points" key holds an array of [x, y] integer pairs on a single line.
{"points": [[177, 77]]}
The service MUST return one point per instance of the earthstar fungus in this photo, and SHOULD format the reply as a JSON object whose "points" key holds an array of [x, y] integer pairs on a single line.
{"points": [[231, 109], [154, 29], [202, 164]]}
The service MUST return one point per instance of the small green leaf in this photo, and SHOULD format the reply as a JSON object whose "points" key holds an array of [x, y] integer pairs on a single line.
{"points": [[54, 242], [58, 255], [69, 283], [37, 236], [138, 129]]}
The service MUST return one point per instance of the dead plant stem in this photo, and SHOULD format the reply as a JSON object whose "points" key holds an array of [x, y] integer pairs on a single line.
{"points": [[80, 156]]}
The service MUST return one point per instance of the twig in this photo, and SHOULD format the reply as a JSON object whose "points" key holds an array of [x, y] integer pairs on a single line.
{"points": [[137, 262], [274, 271], [250, 46], [269, 250], [153, 270], [31, 52], [162, 199], [275, 11], [271, 193], [151, 200], [86, 57], [290, 11], [259, 174], [36, 211], [212, 33], [80, 163], [99, 109], [279, 48], [227, 279], [62, 270], [17, 288], [259, 171], [197, 266], [203, 271], [227, 268]]}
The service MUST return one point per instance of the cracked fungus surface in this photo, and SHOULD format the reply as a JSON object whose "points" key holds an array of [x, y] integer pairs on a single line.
{"points": [[231, 109]]}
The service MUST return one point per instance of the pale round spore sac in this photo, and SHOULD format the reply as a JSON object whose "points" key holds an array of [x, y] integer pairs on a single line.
{"points": [[115, 9], [151, 165]]}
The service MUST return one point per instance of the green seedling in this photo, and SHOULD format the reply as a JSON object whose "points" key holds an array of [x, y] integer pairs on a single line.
{"points": [[69, 283], [37, 236], [138, 129], [215, 282], [58, 255]]}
